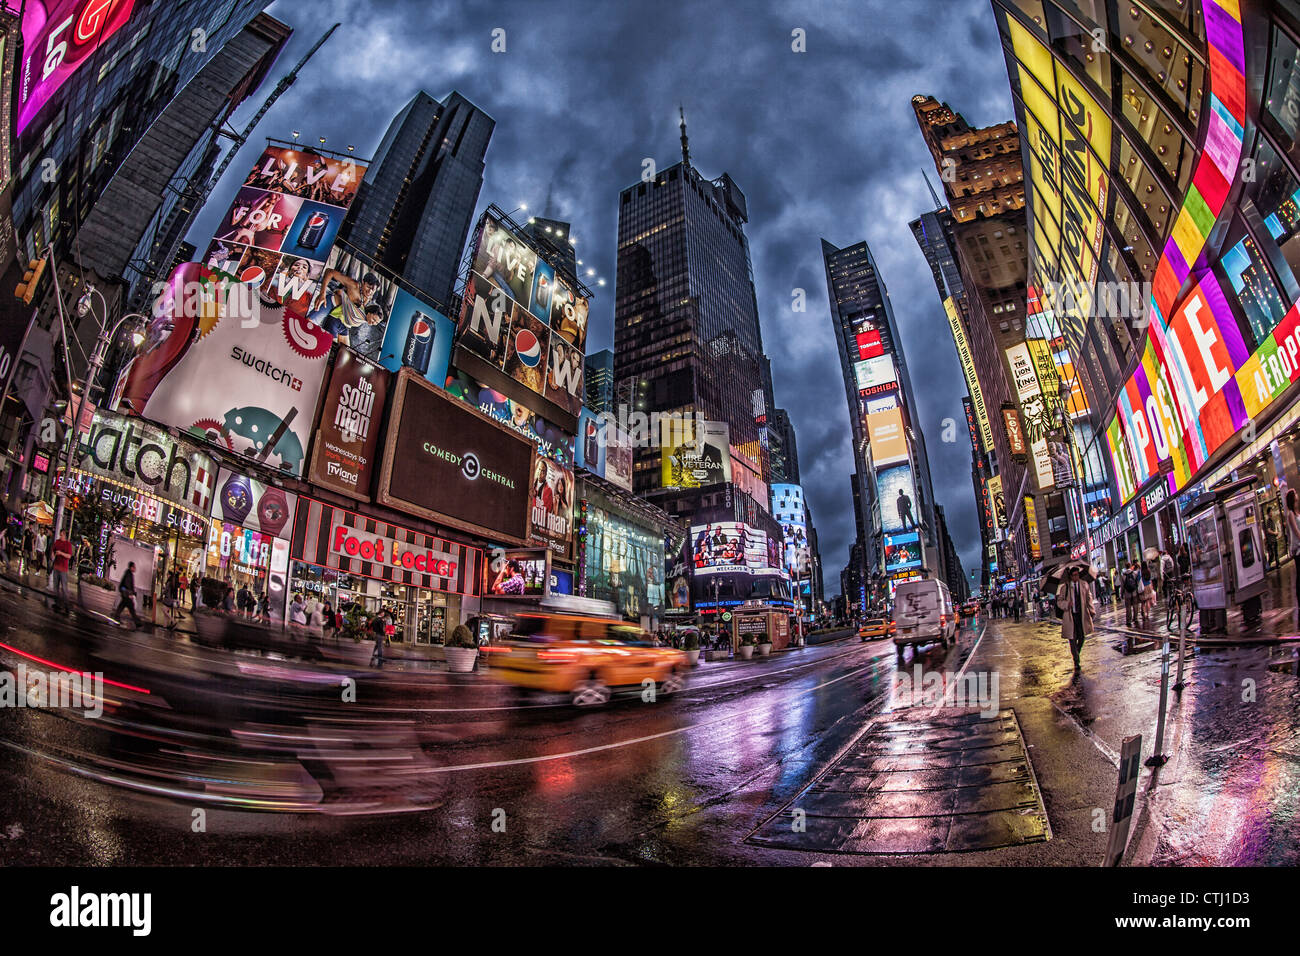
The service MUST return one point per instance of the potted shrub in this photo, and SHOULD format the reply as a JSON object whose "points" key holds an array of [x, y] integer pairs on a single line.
{"points": [[747, 647], [461, 650], [764, 644], [692, 647]]}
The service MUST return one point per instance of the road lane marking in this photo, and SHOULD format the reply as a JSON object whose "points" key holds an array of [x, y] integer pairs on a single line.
{"points": [[487, 765]]}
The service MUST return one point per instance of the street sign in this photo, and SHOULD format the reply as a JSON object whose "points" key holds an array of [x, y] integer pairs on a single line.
{"points": [[726, 615]]}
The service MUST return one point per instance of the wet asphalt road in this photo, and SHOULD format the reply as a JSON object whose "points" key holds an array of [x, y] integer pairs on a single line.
{"points": [[424, 767], [427, 767]]}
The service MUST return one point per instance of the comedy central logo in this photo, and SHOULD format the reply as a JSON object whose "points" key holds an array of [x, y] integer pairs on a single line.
{"points": [[528, 348], [469, 466]]}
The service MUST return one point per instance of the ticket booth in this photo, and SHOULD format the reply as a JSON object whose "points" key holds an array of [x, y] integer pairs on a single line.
{"points": [[1226, 541]]}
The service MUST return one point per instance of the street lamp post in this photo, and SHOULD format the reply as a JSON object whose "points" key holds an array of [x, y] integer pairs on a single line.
{"points": [[102, 344]]}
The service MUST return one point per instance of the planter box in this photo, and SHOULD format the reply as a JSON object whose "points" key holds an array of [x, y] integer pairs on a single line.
{"points": [[716, 655], [746, 651], [693, 657], [460, 660]]}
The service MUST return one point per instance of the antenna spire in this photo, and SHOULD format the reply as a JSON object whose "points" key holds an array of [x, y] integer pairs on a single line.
{"points": [[686, 149], [938, 204]]}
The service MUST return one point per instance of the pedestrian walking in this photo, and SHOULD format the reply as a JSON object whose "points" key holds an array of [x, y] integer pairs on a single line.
{"points": [[196, 583], [1148, 597], [126, 596], [1077, 607], [61, 561], [183, 579], [171, 597], [1130, 584], [1017, 605], [38, 546], [379, 627], [1293, 540], [1168, 569], [297, 614]]}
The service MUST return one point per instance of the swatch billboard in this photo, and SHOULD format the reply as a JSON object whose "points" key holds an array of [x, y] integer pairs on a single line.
{"points": [[226, 365]]}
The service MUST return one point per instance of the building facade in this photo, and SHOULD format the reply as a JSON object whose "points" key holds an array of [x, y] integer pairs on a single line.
{"points": [[414, 209]]}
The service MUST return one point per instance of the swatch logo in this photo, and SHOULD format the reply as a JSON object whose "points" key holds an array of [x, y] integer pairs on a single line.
{"points": [[528, 348]]}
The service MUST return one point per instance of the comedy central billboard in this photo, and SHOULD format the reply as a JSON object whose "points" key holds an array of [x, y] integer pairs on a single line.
{"points": [[522, 326], [449, 462]]}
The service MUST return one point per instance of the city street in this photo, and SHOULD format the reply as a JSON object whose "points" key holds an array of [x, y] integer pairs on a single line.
{"points": [[429, 767]]}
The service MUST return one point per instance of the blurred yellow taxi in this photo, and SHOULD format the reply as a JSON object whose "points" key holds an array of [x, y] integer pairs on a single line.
{"points": [[586, 658], [875, 627]]}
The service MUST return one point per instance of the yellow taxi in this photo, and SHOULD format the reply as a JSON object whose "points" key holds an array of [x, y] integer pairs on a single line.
{"points": [[875, 627], [586, 658]]}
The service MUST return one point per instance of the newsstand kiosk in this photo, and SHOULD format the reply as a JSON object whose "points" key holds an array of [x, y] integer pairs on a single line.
{"points": [[1227, 550]]}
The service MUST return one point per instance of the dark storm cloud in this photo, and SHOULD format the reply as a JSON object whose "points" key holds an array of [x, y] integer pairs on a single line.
{"points": [[823, 143]]}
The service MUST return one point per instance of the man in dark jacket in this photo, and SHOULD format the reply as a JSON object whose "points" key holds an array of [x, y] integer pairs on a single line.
{"points": [[126, 595]]}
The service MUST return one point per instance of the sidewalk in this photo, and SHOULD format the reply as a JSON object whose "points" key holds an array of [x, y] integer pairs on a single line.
{"points": [[1230, 792]]}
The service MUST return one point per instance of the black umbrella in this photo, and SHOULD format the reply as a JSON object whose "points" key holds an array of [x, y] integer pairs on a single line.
{"points": [[1054, 576]]}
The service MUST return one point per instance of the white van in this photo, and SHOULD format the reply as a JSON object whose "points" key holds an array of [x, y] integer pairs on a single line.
{"points": [[923, 614]]}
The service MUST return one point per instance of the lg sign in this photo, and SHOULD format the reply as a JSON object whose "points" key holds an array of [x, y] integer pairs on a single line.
{"points": [[351, 544]]}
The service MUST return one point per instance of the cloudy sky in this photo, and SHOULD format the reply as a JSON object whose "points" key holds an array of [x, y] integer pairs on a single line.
{"points": [[823, 143]]}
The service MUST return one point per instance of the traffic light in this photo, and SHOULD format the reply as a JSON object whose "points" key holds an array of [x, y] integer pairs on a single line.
{"points": [[26, 290]]}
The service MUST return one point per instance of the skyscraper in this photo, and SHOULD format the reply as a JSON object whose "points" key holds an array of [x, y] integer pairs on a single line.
{"points": [[685, 316], [553, 236], [413, 211], [896, 523], [687, 342], [599, 381]]}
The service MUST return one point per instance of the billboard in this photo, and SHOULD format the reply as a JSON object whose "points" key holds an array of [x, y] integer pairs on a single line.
{"points": [[451, 463], [417, 335], [353, 302], [789, 511], [888, 437], [252, 505], [604, 449], [997, 501], [875, 374], [59, 36], [728, 547], [869, 344], [896, 493], [1031, 525], [902, 551], [279, 231], [551, 440], [625, 564], [347, 435], [521, 321], [522, 574], [1015, 432], [967, 359], [229, 367], [701, 456], [551, 506], [135, 453]]}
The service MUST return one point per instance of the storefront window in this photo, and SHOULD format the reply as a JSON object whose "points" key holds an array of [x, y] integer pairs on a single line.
{"points": [[1257, 293], [1282, 96], [1278, 203]]}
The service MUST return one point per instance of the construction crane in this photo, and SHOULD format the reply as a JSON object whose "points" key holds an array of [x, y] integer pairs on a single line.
{"points": [[240, 138], [197, 187]]}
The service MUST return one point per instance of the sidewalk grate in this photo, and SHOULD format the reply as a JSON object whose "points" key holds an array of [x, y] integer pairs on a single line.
{"points": [[945, 784]]}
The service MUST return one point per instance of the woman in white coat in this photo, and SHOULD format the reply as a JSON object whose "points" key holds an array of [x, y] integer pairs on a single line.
{"points": [[1075, 601]]}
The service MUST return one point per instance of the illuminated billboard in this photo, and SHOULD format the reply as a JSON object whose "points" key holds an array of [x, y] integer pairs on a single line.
{"points": [[967, 360], [59, 36], [875, 374], [347, 437], [888, 437], [520, 321], [237, 370], [896, 493], [728, 547], [789, 510], [279, 232], [702, 456], [902, 551]]}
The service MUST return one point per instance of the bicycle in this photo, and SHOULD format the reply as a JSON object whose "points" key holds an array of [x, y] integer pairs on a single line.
{"points": [[1181, 606]]}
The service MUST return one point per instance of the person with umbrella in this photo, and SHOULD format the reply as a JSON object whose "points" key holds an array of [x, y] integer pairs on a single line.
{"points": [[1075, 602]]}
